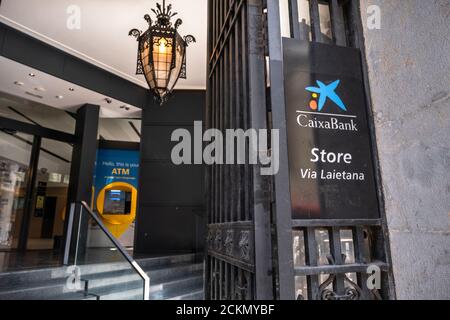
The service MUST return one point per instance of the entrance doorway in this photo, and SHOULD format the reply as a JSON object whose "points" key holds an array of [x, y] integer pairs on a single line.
{"points": [[46, 225], [13, 182], [48, 219], [34, 179]]}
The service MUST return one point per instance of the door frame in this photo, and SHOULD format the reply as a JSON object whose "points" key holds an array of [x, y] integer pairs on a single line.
{"points": [[38, 132]]}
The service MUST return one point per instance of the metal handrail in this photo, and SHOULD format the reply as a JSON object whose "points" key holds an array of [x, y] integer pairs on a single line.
{"points": [[118, 246]]}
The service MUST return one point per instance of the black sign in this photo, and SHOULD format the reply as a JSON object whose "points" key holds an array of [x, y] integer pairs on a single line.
{"points": [[41, 192], [330, 159]]}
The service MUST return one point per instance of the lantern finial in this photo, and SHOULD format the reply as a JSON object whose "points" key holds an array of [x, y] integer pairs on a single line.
{"points": [[164, 14]]}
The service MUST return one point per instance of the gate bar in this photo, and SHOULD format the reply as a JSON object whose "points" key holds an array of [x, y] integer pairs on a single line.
{"points": [[315, 21], [293, 20], [283, 216]]}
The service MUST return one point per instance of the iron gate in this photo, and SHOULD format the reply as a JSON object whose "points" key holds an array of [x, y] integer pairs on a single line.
{"points": [[238, 263], [255, 249], [330, 259]]}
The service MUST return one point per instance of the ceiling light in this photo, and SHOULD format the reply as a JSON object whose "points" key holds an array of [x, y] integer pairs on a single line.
{"points": [[19, 83], [59, 97], [32, 75], [162, 52], [54, 177], [71, 89], [40, 89]]}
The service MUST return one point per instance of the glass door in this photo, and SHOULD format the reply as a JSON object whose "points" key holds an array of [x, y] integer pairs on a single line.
{"points": [[46, 226], [15, 153], [34, 181]]}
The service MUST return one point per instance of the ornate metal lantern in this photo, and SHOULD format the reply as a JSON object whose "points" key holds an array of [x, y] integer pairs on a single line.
{"points": [[162, 52]]}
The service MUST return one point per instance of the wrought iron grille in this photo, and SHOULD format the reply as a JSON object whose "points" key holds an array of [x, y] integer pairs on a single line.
{"points": [[238, 262], [255, 249], [330, 258]]}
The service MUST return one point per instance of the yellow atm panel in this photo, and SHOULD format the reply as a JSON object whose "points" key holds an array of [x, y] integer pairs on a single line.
{"points": [[116, 205]]}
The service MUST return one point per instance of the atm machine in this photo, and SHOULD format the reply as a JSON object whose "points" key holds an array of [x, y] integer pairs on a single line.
{"points": [[116, 204]]}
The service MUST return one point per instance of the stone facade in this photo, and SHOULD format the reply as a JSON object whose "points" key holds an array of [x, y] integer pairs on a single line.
{"points": [[409, 71]]}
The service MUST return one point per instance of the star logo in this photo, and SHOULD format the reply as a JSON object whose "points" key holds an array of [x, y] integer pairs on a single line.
{"points": [[324, 92]]}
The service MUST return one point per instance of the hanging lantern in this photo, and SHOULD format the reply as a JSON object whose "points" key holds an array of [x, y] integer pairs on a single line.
{"points": [[162, 52]]}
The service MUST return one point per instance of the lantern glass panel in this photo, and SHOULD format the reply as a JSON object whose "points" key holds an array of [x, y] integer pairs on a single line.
{"points": [[162, 60], [179, 57], [148, 67]]}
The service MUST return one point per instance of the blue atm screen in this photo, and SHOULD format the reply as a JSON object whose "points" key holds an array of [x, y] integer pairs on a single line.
{"points": [[117, 202]]}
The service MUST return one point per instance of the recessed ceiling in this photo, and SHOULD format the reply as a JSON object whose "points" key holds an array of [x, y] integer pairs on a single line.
{"points": [[102, 38], [36, 86]]}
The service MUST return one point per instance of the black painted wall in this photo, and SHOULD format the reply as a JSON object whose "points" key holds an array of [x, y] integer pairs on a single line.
{"points": [[171, 215]]}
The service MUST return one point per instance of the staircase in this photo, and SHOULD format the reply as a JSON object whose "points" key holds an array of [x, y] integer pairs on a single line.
{"points": [[177, 277]]}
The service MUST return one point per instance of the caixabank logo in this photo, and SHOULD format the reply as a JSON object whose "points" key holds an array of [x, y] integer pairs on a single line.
{"points": [[325, 92], [319, 113]]}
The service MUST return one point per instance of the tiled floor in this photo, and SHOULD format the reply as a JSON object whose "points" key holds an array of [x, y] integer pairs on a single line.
{"points": [[34, 259], [13, 261]]}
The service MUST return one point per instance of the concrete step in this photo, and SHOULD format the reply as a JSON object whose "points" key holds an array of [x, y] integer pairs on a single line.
{"points": [[40, 292], [150, 263], [177, 287], [157, 275], [165, 274], [191, 296], [8, 279], [133, 291], [165, 282], [54, 275], [171, 277], [29, 277]]}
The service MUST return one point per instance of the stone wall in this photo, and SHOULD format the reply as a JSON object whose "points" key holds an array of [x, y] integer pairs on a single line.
{"points": [[409, 72]]}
